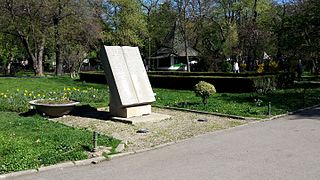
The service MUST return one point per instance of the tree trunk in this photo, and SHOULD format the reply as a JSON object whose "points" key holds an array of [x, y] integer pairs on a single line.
{"points": [[8, 68], [37, 60], [36, 55], [56, 21], [59, 61]]}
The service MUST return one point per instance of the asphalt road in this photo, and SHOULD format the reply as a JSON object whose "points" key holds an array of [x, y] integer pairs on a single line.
{"points": [[285, 148]]}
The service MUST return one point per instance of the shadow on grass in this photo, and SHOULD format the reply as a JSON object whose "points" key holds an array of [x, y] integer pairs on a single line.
{"points": [[185, 104], [87, 111], [29, 113]]}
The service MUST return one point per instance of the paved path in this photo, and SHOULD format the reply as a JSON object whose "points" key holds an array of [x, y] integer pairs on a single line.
{"points": [[286, 148]]}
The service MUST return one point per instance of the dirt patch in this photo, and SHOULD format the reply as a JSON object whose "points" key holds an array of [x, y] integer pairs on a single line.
{"points": [[181, 125]]}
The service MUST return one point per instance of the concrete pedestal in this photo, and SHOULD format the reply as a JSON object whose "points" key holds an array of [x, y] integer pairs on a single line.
{"points": [[128, 112]]}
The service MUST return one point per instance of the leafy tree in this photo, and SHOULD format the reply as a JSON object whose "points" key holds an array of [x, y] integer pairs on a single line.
{"points": [[9, 50], [125, 23], [28, 21], [298, 35], [74, 23]]}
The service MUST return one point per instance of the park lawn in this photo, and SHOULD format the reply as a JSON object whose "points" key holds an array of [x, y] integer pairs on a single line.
{"points": [[241, 104], [15, 93], [96, 95], [32, 142], [45, 83]]}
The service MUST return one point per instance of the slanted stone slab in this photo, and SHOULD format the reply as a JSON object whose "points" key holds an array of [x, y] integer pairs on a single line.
{"points": [[130, 90]]}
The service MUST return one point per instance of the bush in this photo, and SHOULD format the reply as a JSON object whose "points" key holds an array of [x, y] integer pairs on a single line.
{"points": [[265, 84], [204, 90], [273, 66], [260, 68], [225, 66]]}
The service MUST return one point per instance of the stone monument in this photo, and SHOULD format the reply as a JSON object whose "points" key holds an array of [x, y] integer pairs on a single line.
{"points": [[130, 90]]}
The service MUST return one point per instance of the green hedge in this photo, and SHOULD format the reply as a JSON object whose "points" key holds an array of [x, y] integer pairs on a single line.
{"points": [[222, 83], [93, 77], [229, 74]]}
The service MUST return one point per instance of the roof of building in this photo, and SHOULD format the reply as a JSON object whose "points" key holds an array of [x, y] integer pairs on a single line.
{"points": [[175, 45]]}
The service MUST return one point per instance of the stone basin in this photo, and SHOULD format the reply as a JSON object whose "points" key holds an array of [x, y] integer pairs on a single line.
{"points": [[54, 109]]}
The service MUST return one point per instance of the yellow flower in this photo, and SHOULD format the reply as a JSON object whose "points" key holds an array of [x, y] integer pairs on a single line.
{"points": [[5, 96], [2, 94], [25, 94], [18, 89], [30, 94], [68, 89], [74, 88], [39, 95], [64, 89], [26, 91]]}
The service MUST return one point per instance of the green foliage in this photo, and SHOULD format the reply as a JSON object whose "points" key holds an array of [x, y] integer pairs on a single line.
{"points": [[231, 41], [265, 84], [204, 90], [32, 142], [260, 68], [241, 104], [161, 22], [224, 82], [274, 66], [225, 66], [17, 92], [127, 25]]}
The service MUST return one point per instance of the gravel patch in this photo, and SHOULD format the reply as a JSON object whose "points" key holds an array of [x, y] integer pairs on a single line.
{"points": [[181, 125]]}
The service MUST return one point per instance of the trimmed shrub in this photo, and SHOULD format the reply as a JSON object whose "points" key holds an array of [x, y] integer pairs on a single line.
{"points": [[93, 77], [223, 82], [204, 90], [224, 74]]}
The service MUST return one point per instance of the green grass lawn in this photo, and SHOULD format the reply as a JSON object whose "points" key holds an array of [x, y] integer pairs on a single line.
{"points": [[30, 142], [242, 104], [13, 97], [15, 93]]}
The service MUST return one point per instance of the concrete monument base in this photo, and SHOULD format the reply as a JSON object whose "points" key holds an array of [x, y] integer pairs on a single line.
{"points": [[128, 112], [153, 117]]}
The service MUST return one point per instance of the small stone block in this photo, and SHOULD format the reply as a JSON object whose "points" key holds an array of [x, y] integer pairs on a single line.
{"points": [[120, 147]]}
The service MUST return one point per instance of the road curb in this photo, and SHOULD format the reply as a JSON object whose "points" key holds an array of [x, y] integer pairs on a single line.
{"points": [[55, 166], [19, 173], [90, 161], [290, 113]]}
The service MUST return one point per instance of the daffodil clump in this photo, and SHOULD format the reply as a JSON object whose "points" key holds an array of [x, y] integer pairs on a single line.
{"points": [[18, 100]]}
